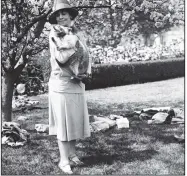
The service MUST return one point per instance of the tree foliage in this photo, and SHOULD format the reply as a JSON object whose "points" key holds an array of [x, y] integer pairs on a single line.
{"points": [[23, 21], [22, 37], [105, 26], [22, 25]]}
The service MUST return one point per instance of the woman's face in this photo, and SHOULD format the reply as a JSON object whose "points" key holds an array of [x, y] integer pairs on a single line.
{"points": [[63, 18]]}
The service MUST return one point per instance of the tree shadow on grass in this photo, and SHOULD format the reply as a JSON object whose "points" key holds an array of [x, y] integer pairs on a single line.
{"points": [[99, 159], [162, 132], [36, 107], [125, 158], [117, 144], [28, 109], [156, 132], [103, 149]]}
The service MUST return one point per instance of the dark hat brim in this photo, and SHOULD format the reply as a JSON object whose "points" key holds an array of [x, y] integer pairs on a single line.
{"points": [[72, 11]]}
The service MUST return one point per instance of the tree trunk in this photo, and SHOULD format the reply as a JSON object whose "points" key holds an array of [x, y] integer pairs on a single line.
{"points": [[7, 94], [147, 39]]}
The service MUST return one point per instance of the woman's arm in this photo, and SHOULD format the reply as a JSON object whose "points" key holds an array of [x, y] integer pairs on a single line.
{"points": [[66, 42], [63, 55]]}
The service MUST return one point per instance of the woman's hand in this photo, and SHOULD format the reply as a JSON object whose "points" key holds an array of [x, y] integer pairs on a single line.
{"points": [[82, 77]]}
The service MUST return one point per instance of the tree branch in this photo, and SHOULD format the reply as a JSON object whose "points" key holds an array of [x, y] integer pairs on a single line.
{"points": [[39, 28], [35, 20], [127, 21], [92, 7], [19, 69], [22, 50], [164, 2], [4, 68]]}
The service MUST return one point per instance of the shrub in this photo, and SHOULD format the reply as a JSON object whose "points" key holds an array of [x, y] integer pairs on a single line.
{"points": [[107, 75], [137, 52], [32, 77]]}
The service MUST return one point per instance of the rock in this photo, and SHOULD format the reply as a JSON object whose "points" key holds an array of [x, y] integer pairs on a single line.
{"points": [[92, 118], [145, 116], [179, 113], [23, 102], [22, 118], [171, 114], [137, 112], [180, 138], [178, 116], [15, 144], [154, 110], [42, 128], [177, 120], [4, 140], [105, 119], [158, 118], [13, 135], [33, 102], [100, 126], [149, 121], [114, 117], [21, 97], [28, 105], [13, 105], [122, 123], [91, 129], [10, 124], [20, 88]]}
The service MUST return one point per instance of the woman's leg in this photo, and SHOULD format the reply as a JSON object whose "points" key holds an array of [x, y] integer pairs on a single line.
{"points": [[64, 164], [64, 152], [72, 153], [72, 148]]}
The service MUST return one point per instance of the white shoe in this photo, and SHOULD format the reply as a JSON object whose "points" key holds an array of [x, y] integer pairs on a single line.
{"points": [[65, 168], [75, 160]]}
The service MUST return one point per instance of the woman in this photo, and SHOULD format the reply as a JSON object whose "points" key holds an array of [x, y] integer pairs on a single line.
{"points": [[68, 113]]}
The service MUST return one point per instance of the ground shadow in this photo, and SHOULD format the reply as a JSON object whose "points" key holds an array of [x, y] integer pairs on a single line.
{"points": [[126, 158], [37, 107], [98, 159]]}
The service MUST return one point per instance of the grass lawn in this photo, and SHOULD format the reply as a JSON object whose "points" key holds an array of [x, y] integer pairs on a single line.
{"points": [[141, 149]]}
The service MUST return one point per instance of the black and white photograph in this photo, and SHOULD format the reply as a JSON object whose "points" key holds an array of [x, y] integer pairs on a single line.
{"points": [[93, 87]]}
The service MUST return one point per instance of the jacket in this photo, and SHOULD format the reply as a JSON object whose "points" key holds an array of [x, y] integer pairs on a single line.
{"points": [[61, 78]]}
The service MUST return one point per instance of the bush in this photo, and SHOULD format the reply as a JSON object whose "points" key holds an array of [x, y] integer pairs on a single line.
{"points": [[107, 75], [132, 53], [32, 77]]}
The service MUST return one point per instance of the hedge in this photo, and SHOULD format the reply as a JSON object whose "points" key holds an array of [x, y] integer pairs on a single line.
{"points": [[117, 74]]}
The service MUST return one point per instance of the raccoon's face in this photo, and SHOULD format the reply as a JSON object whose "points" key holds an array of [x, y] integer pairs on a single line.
{"points": [[61, 31]]}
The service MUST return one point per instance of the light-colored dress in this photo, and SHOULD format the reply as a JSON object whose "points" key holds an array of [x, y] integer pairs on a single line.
{"points": [[68, 112]]}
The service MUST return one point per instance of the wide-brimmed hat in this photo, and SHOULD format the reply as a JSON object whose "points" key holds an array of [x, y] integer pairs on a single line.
{"points": [[62, 5]]}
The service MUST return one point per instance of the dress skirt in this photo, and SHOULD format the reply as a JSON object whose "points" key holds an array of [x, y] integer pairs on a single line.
{"points": [[68, 116]]}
